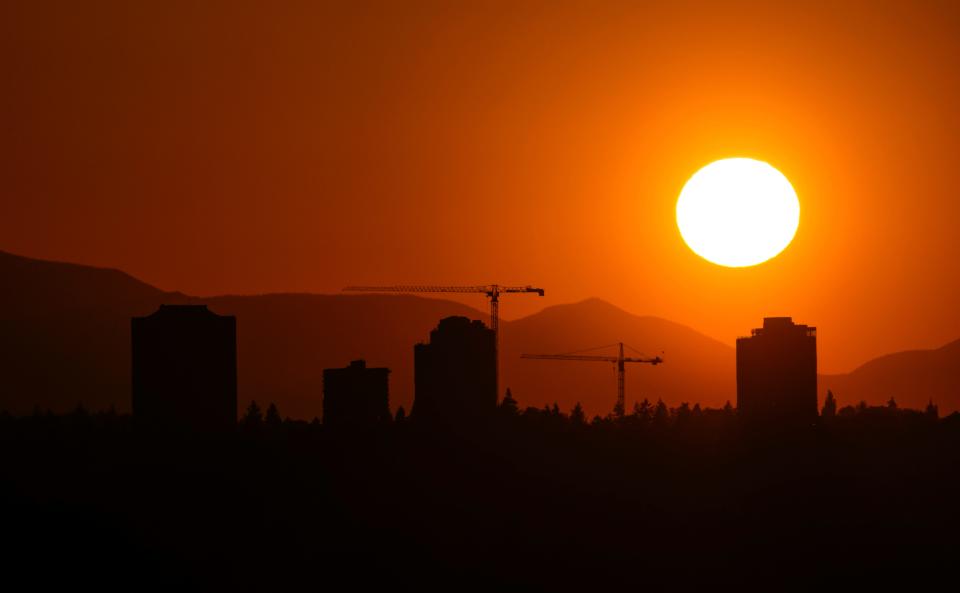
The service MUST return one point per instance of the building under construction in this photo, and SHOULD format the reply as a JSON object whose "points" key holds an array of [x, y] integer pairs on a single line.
{"points": [[184, 372], [455, 375], [356, 395], [777, 373]]}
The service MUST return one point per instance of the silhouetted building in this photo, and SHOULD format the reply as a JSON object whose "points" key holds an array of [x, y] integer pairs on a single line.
{"points": [[185, 368], [777, 373], [455, 375], [355, 395]]}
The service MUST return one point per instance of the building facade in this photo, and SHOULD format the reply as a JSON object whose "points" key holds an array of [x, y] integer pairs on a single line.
{"points": [[184, 372], [777, 373], [455, 374], [356, 395]]}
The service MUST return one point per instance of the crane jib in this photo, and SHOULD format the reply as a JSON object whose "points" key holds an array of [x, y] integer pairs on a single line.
{"points": [[492, 291]]}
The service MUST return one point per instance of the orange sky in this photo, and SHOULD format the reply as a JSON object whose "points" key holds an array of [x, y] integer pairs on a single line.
{"points": [[240, 147]]}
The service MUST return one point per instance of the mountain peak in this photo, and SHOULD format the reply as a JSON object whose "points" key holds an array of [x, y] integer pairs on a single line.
{"points": [[592, 305]]}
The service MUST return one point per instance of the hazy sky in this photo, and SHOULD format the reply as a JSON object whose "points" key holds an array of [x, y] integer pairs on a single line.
{"points": [[246, 147]]}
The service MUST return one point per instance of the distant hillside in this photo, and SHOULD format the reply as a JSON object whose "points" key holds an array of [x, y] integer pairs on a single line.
{"points": [[912, 378], [65, 333], [65, 339], [65, 336], [696, 368]]}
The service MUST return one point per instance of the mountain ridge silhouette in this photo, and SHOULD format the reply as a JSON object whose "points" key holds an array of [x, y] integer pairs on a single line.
{"points": [[911, 377], [64, 340]]}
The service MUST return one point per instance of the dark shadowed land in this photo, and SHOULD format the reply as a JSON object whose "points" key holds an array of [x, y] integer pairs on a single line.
{"points": [[539, 500], [66, 336], [464, 494]]}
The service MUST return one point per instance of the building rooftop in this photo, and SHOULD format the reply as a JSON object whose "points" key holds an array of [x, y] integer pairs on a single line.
{"points": [[183, 311], [778, 325]]}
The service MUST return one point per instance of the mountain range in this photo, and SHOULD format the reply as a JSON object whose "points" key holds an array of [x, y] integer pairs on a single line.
{"points": [[65, 340], [912, 378]]}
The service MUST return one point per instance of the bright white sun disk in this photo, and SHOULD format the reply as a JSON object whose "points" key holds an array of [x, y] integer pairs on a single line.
{"points": [[738, 212]]}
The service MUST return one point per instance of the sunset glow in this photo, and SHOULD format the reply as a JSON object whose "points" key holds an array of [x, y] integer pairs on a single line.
{"points": [[738, 212]]}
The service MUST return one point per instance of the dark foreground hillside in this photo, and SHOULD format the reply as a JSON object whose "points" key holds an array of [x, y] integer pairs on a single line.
{"points": [[529, 502]]}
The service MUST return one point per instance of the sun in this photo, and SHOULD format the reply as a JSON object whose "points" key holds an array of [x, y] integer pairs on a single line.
{"points": [[738, 212]]}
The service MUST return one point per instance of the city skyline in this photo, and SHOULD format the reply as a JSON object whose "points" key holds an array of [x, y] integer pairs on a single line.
{"points": [[287, 338], [334, 146], [498, 296]]}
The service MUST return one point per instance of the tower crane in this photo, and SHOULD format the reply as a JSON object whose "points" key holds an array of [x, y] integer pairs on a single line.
{"points": [[493, 292], [619, 359]]}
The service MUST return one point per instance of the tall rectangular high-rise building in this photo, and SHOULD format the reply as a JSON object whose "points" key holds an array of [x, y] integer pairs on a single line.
{"points": [[185, 368], [455, 375], [777, 372], [356, 395]]}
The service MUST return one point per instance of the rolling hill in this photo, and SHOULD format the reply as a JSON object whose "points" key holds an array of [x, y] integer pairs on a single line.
{"points": [[65, 335], [695, 369], [912, 378], [65, 339]]}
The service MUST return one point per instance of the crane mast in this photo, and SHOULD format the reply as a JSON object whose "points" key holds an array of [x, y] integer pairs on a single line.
{"points": [[620, 360]]}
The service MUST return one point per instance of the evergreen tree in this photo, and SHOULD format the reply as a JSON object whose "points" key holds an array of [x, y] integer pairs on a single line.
{"points": [[829, 406], [661, 415], [253, 418], [728, 409], [643, 411], [577, 416], [618, 410], [272, 419], [892, 404], [682, 414], [402, 414], [932, 411], [80, 412], [509, 405]]}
